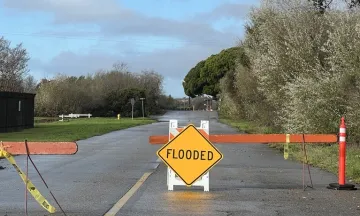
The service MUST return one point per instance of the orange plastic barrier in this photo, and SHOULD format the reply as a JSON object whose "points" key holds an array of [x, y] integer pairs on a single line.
{"points": [[273, 138], [257, 138], [41, 148], [285, 138]]}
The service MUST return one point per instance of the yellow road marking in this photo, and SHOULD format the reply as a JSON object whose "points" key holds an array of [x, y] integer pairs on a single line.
{"points": [[116, 208]]}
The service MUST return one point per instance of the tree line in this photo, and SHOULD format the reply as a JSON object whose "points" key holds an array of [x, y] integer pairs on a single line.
{"points": [[296, 70], [103, 93]]}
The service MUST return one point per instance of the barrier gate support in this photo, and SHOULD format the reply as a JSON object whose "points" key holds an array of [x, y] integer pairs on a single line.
{"points": [[8, 149], [275, 138], [171, 178]]}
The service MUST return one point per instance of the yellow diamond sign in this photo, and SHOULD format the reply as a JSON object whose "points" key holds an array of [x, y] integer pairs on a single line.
{"points": [[190, 154]]}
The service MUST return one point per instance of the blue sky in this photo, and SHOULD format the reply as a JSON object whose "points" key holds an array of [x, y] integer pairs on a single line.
{"points": [[78, 37]]}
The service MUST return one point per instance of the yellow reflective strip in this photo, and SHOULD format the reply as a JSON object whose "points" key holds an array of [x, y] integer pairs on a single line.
{"points": [[30, 186], [286, 147]]}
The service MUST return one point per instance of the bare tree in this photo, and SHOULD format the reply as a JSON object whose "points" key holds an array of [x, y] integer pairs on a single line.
{"points": [[13, 66], [120, 66], [29, 84], [353, 3]]}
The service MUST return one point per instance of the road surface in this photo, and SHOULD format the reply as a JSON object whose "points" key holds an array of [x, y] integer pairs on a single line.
{"points": [[250, 180]]}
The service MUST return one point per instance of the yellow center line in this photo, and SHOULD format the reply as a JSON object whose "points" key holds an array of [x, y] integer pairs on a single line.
{"points": [[116, 208]]}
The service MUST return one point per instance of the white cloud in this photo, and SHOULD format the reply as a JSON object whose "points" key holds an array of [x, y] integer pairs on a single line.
{"points": [[113, 21], [79, 10], [173, 63], [227, 10]]}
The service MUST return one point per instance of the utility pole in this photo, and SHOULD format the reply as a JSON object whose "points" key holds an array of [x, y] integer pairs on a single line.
{"points": [[132, 100], [142, 104]]}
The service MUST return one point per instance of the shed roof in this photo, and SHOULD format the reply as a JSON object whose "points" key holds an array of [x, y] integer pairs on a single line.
{"points": [[4, 94]]}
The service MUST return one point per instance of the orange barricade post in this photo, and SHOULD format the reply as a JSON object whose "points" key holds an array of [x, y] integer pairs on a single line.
{"points": [[282, 138], [342, 161]]}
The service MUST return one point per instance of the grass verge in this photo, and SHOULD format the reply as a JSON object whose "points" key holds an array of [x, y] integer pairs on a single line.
{"points": [[246, 126], [321, 156], [73, 130]]}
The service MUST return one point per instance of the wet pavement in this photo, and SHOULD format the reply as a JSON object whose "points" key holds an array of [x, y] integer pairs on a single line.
{"points": [[250, 180]]}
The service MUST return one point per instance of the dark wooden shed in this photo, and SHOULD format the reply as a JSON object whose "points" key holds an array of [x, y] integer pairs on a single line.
{"points": [[16, 111]]}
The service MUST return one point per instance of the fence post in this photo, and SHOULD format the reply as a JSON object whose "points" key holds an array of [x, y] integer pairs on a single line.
{"points": [[341, 185]]}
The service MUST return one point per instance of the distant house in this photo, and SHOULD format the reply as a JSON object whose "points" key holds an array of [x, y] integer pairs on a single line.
{"points": [[16, 111]]}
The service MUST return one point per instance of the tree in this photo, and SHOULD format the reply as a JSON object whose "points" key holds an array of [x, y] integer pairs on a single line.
{"points": [[167, 102], [121, 66], [105, 93], [119, 102], [321, 5], [29, 84], [204, 77], [193, 83], [13, 66], [353, 3]]}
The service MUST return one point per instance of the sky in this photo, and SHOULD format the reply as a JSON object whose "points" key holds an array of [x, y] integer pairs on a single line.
{"points": [[80, 37]]}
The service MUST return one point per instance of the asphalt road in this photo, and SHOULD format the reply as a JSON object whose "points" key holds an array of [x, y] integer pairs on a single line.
{"points": [[250, 180]]}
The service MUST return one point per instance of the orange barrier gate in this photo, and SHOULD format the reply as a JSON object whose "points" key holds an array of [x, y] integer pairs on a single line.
{"points": [[8, 149], [283, 138], [256, 138], [40, 148]]}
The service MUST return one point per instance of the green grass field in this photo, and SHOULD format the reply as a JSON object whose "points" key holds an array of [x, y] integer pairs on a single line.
{"points": [[72, 130], [321, 156]]}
